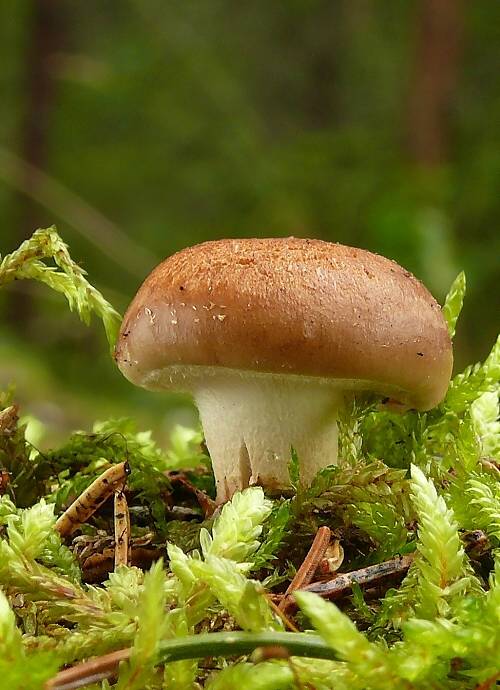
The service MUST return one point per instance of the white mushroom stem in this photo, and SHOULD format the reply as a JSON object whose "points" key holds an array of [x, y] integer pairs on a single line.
{"points": [[251, 421]]}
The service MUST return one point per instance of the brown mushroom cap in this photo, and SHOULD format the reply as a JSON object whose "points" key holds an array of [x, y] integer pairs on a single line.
{"points": [[290, 307]]}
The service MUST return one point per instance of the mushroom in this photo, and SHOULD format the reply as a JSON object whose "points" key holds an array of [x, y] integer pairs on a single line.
{"points": [[269, 334]]}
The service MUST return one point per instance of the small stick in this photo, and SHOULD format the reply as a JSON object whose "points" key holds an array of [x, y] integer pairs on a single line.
{"points": [[281, 614], [198, 646], [122, 530], [342, 584], [92, 498], [305, 573], [88, 672], [204, 501]]}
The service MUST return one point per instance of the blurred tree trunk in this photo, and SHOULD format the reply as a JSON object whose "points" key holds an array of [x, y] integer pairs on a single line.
{"points": [[436, 63], [436, 70], [321, 102], [44, 39]]}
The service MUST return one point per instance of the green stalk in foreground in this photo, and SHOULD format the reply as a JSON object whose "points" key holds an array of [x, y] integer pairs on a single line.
{"points": [[195, 647]]}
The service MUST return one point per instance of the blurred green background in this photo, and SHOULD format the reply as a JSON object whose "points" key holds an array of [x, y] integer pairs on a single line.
{"points": [[143, 126]]}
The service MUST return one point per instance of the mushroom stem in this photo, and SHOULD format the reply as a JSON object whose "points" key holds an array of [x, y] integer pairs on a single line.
{"points": [[252, 420]]}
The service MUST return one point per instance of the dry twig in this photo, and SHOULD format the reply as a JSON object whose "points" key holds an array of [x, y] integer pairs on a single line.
{"points": [[122, 529], [341, 585], [92, 498], [207, 505], [305, 573], [93, 671], [201, 646], [277, 610]]}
